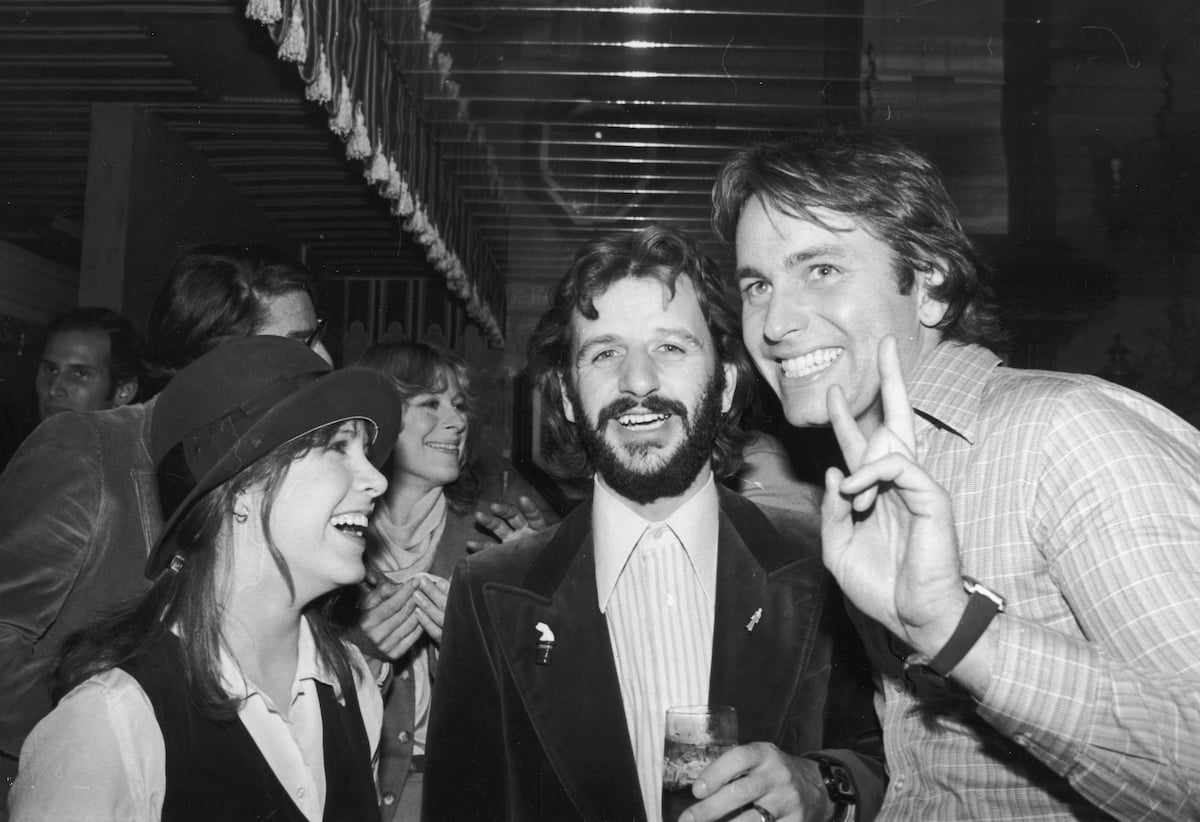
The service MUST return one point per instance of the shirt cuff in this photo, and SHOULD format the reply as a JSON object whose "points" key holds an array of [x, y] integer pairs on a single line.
{"points": [[1044, 691]]}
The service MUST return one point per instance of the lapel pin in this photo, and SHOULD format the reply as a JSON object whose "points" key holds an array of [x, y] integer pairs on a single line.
{"points": [[754, 618], [545, 643]]}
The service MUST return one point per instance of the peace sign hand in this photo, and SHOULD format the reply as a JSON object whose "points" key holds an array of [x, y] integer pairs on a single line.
{"points": [[888, 529]]}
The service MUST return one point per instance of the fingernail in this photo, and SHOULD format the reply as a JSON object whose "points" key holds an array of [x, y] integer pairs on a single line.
{"points": [[699, 790]]}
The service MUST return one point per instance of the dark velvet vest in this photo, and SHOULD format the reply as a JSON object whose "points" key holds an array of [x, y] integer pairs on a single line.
{"points": [[215, 771]]}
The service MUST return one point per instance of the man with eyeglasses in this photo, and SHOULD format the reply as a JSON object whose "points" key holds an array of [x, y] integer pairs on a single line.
{"points": [[78, 502]]}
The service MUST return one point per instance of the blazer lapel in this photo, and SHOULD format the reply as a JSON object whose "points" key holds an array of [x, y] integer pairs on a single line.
{"points": [[760, 656], [574, 702]]}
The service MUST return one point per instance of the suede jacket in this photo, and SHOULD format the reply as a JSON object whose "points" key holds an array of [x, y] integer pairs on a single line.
{"points": [[78, 513]]}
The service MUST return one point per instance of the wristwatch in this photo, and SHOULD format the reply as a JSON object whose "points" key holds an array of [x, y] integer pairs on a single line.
{"points": [[982, 607], [839, 785]]}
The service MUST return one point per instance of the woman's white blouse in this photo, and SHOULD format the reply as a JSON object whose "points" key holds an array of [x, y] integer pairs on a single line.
{"points": [[100, 755]]}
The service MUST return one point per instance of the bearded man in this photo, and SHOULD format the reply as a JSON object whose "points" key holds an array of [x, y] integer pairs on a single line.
{"points": [[562, 652]]}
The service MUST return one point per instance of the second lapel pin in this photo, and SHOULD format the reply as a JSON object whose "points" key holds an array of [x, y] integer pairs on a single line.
{"points": [[754, 618]]}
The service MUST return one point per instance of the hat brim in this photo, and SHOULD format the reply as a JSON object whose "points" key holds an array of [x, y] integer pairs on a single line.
{"points": [[346, 394]]}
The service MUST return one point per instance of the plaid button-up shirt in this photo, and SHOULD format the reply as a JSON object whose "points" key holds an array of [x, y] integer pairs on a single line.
{"points": [[1079, 501]]}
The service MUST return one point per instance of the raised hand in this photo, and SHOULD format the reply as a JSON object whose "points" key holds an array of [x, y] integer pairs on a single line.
{"points": [[507, 522], [888, 529]]}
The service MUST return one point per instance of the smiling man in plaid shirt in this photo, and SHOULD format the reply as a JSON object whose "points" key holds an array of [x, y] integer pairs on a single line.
{"points": [[1023, 547]]}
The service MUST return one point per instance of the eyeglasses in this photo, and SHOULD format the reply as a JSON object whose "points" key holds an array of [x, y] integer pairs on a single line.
{"points": [[317, 333]]}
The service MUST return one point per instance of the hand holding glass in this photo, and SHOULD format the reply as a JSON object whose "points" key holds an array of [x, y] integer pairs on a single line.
{"points": [[696, 735]]}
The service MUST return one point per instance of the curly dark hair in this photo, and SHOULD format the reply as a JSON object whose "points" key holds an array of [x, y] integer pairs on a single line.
{"points": [[666, 255], [894, 190]]}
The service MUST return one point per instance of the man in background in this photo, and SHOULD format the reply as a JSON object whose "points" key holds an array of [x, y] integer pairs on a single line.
{"points": [[91, 362], [79, 505], [663, 589]]}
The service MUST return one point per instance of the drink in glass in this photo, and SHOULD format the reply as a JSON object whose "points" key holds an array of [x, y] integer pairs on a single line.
{"points": [[695, 736]]}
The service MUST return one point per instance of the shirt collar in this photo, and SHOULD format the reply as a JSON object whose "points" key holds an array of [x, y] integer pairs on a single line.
{"points": [[616, 530], [309, 666], [947, 388]]}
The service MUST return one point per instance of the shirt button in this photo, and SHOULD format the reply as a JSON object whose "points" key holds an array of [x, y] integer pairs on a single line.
{"points": [[389, 798], [404, 737], [670, 600], [300, 793], [898, 784], [406, 674]]}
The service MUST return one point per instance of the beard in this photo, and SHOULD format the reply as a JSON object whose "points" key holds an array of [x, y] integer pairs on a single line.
{"points": [[675, 473]]}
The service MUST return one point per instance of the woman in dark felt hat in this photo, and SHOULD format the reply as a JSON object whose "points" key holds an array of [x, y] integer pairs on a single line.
{"points": [[225, 693]]}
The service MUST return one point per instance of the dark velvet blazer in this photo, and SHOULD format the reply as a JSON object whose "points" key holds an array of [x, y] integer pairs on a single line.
{"points": [[512, 739]]}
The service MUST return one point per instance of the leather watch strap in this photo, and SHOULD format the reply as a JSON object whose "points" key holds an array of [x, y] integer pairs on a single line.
{"points": [[982, 607]]}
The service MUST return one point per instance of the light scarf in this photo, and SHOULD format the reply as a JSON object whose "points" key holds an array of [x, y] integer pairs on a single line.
{"points": [[400, 550], [403, 542]]}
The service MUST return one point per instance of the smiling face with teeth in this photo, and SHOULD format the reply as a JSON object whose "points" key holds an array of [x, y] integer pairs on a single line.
{"points": [[645, 388], [318, 515], [817, 298], [432, 441]]}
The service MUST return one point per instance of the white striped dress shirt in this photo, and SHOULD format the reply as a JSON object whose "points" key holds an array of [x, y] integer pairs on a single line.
{"points": [[656, 584]]}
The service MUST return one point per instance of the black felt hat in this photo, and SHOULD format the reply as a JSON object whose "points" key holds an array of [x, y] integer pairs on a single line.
{"points": [[244, 398]]}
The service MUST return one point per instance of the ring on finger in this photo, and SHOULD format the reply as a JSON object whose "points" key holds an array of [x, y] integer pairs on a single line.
{"points": [[764, 815]]}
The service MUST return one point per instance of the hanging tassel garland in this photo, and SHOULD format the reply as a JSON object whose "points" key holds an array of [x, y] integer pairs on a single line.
{"points": [[264, 11], [405, 205], [295, 43], [359, 145], [347, 119], [392, 190], [320, 90], [435, 43], [444, 64], [377, 172], [343, 119]]}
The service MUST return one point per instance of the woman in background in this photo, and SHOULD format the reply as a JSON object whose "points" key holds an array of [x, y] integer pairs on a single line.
{"points": [[224, 693], [418, 533]]}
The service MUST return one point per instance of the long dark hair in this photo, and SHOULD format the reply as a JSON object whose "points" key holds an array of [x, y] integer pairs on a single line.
{"points": [[424, 368], [894, 190], [187, 597], [657, 252]]}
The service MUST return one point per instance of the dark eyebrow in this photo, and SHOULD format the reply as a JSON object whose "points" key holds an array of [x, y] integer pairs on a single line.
{"points": [[813, 253], [797, 258], [593, 342]]}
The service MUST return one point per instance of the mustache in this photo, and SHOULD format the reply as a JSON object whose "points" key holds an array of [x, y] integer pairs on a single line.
{"points": [[654, 404]]}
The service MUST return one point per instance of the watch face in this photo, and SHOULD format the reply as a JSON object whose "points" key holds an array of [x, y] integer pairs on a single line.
{"points": [[838, 783]]}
